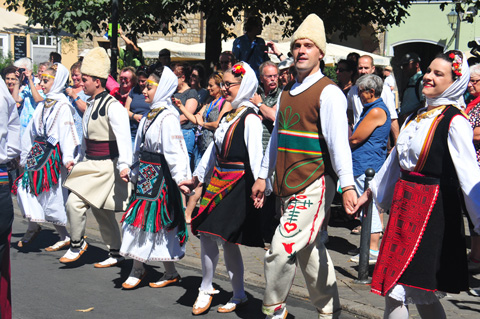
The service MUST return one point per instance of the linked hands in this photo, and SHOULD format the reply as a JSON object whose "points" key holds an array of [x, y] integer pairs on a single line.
{"points": [[124, 175], [258, 193], [187, 187], [69, 166], [360, 201]]}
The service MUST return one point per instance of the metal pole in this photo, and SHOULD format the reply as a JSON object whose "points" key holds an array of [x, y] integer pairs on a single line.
{"points": [[365, 235], [114, 39], [457, 30]]}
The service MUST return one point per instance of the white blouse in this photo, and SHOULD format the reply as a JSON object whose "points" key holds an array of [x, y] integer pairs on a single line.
{"points": [[164, 136], [405, 156], [9, 131], [253, 141], [60, 128]]}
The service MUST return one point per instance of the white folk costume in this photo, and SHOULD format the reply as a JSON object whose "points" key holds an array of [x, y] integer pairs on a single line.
{"points": [[154, 227], [49, 142], [227, 214], [95, 182], [422, 182], [308, 146]]}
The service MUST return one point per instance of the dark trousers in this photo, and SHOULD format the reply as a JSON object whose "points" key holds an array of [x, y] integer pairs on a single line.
{"points": [[6, 220]]}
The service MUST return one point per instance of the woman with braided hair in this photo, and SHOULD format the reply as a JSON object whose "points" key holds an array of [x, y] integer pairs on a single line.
{"points": [[48, 147]]}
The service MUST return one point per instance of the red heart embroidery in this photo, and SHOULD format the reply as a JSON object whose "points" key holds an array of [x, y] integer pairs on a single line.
{"points": [[288, 247], [289, 227]]}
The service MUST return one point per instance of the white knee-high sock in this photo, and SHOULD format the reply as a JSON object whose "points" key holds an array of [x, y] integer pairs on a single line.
{"points": [[62, 231], [169, 268], [432, 311], [234, 264], [395, 309], [209, 255]]}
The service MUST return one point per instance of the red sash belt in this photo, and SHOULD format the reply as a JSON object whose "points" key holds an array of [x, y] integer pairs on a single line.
{"points": [[99, 150]]}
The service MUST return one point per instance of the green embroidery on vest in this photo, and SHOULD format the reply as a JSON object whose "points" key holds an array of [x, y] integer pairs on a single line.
{"points": [[300, 165], [286, 119]]}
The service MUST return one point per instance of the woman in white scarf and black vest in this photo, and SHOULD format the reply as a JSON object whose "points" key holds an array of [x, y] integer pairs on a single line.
{"points": [[227, 215], [423, 255]]}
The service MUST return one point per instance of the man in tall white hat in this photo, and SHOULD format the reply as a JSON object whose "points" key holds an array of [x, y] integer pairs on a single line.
{"points": [[308, 147], [100, 181]]}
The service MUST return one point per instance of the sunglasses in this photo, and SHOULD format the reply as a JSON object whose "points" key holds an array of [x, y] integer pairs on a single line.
{"points": [[227, 85]]}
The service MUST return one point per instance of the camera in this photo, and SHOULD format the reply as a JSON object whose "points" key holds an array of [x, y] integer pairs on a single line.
{"points": [[21, 70]]}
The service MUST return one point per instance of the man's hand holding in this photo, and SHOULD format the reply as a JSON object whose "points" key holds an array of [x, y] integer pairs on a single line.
{"points": [[69, 166], [124, 175], [258, 192], [349, 197]]}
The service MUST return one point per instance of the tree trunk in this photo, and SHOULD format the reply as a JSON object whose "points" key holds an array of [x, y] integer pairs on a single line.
{"points": [[213, 38]]}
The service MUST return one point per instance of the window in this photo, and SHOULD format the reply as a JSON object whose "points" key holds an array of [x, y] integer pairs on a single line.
{"points": [[42, 45], [4, 44]]}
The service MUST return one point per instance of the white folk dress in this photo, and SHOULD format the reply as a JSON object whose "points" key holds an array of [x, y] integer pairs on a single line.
{"points": [[163, 136], [49, 206]]}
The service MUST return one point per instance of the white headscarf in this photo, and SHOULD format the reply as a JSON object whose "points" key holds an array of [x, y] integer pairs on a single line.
{"points": [[247, 89], [454, 93], [165, 89], [5, 93], [58, 87]]}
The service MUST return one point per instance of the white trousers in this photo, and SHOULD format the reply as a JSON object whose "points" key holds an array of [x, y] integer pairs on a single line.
{"points": [[295, 243], [108, 225]]}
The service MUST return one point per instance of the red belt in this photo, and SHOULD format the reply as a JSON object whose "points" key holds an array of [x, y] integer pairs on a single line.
{"points": [[98, 150]]}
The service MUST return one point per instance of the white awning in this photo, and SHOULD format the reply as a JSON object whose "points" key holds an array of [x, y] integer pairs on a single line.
{"points": [[196, 51]]}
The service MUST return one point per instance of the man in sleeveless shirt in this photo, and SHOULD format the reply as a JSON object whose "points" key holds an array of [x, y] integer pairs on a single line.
{"points": [[308, 146], [100, 181]]}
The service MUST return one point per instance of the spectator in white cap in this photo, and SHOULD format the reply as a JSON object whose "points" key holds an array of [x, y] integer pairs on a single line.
{"points": [[285, 72]]}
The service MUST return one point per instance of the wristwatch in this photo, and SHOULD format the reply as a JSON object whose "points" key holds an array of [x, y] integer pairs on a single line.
{"points": [[259, 104]]}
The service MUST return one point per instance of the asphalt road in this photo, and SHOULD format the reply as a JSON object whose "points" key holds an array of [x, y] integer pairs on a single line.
{"points": [[44, 288]]}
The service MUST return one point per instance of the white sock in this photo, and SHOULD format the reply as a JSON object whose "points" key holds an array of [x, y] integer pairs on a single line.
{"points": [[209, 255], [170, 270], [234, 264], [62, 232], [395, 309], [374, 252]]}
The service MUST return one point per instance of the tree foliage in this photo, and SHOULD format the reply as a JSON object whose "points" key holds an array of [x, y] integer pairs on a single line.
{"points": [[80, 17]]}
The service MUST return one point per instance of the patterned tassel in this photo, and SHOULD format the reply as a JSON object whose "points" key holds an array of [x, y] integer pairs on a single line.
{"points": [[165, 212], [44, 179]]}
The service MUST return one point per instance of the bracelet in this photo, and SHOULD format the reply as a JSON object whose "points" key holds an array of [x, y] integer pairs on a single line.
{"points": [[281, 53], [76, 99], [132, 117], [348, 189]]}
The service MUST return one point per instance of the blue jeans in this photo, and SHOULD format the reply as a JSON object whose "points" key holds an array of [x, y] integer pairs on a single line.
{"points": [[189, 136], [376, 223], [197, 155]]}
